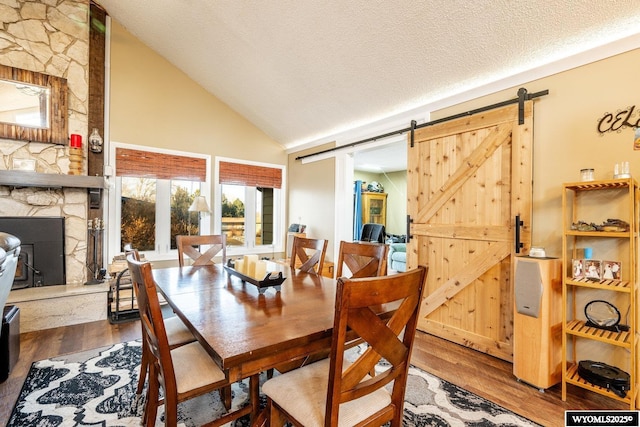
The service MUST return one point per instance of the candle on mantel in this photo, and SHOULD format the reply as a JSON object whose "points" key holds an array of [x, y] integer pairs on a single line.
{"points": [[75, 154], [76, 141]]}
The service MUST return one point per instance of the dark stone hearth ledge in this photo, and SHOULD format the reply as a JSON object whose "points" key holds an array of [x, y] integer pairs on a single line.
{"points": [[14, 178]]}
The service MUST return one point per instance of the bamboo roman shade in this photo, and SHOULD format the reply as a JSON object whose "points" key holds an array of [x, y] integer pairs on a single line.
{"points": [[250, 175], [148, 164]]}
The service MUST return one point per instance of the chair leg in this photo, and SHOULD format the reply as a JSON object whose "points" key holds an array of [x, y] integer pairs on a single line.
{"points": [[225, 396], [144, 367], [153, 394], [254, 394], [261, 420], [170, 411], [276, 417]]}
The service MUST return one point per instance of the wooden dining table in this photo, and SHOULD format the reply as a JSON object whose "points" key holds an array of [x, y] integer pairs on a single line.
{"points": [[245, 331]]}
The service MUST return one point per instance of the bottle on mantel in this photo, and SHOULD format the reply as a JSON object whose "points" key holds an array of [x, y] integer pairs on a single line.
{"points": [[75, 161]]}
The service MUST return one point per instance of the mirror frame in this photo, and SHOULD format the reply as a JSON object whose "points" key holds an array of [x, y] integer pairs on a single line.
{"points": [[57, 133]]}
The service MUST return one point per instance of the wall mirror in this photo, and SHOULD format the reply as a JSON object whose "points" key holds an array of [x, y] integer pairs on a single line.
{"points": [[33, 106]]}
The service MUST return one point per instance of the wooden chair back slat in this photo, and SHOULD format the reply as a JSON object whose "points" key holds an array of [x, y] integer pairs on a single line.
{"points": [[363, 259], [308, 254], [187, 246]]}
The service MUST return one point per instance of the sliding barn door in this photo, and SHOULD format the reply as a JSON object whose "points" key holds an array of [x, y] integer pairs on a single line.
{"points": [[467, 181]]}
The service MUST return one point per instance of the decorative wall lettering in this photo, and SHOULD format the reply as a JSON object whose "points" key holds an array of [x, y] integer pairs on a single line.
{"points": [[614, 123]]}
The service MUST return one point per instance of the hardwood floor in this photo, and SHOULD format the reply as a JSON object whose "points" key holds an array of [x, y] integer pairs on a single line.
{"points": [[493, 379], [477, 372]]}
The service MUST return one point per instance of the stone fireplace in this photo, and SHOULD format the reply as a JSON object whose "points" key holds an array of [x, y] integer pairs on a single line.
{"points": [[52, 38], [70, 204], [48, 298]]}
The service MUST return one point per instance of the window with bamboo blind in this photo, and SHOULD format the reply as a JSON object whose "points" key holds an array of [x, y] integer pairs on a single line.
{"points": [[249, 175], [153, 192], [251, 204], [149, 164]]}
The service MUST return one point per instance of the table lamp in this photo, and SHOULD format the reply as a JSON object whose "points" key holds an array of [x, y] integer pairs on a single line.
{"points": [[199, 205]]}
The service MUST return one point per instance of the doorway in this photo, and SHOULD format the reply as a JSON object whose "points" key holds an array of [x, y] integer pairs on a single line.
{"points": [[384, 168]]}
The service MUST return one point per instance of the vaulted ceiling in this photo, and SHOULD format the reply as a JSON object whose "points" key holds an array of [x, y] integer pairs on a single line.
{"points": [[305, 71]]}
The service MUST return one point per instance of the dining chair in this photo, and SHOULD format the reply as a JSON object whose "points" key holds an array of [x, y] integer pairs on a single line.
{"points": [[194, 372], [187, 246], [308, 254], [177, 333], [363, 259], [339, 391], [372, 232]]}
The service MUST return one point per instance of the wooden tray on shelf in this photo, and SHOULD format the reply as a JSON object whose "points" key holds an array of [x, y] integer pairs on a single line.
{"points": [[273, 279]]}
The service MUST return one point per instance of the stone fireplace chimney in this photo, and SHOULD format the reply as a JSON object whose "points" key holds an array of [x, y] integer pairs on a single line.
{"points": [[50, 38]]}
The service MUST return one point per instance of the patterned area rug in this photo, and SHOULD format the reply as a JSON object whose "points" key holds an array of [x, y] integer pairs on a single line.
{"points": [[97, 388]]}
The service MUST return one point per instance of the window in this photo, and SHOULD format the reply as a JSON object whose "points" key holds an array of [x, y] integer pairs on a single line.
{"points": [[151, 198], [251, 206]]}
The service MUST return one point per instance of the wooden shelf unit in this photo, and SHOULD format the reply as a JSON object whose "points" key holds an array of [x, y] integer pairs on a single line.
{"points": [[574, 327]]}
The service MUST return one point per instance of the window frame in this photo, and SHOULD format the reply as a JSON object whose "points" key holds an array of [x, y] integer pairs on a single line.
{"points": [[279, 213], [162, 252]]}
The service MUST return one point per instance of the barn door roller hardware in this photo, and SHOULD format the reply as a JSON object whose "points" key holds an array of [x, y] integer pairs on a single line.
{"points": [[413, 131], [523, 96]]}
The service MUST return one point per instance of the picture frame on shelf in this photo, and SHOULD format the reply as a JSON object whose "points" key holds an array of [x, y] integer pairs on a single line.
{"points": [[593, 269], [611, 270], [577, 268]]}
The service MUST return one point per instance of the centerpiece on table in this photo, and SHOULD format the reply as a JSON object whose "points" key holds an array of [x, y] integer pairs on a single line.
{"points": [[258, 272]]}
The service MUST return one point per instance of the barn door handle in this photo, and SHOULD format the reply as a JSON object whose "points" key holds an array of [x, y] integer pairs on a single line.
{"points": [[519, 224], [409, 221]]}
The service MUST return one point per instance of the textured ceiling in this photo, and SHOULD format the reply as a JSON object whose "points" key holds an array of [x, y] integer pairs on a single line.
{"points": [[306, 70]]}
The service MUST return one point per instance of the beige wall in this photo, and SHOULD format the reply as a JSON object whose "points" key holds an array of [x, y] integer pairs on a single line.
{"points": [[312, 196], [565, 134], [153, 103], [395, 185]]}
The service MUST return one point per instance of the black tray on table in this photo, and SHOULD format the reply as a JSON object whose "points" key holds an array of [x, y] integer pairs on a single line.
{"points": [[273, 279]]}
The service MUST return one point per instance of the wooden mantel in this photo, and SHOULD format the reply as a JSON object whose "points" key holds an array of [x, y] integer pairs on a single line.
{"points": [[49, 180]]}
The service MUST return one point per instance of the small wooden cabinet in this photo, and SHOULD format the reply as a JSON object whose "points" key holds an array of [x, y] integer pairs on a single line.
{"points": [[374, 208]]}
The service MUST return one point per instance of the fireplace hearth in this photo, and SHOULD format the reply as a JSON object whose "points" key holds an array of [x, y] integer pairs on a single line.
{"points": [[41, 261]]}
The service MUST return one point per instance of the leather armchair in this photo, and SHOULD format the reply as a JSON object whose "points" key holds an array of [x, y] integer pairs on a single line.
{"points": [[9, 251]]}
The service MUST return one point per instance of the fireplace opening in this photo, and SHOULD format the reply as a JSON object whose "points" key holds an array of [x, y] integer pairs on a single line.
{"points": [[41, 261], [26, 274]]}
